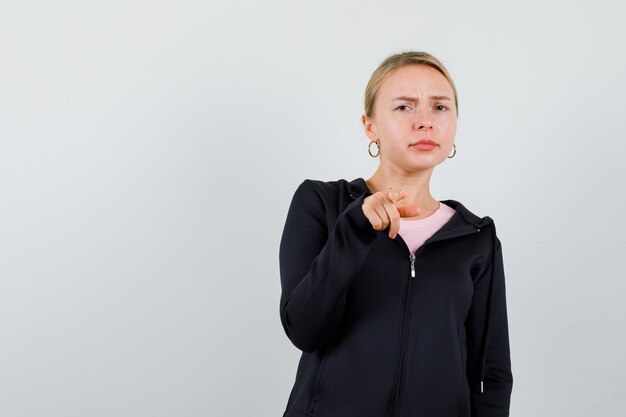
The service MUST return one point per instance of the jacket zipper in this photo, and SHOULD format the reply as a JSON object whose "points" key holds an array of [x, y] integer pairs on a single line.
{"points": [[407, 305]]}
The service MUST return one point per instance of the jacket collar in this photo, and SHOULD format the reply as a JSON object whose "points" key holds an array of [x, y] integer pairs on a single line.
{"points": [[357, 187]]}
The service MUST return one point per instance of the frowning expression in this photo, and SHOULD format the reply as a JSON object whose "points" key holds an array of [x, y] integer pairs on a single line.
{"points": [[415, 103]]}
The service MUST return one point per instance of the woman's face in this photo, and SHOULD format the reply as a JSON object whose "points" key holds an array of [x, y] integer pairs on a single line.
{"points": [[415, 102]]}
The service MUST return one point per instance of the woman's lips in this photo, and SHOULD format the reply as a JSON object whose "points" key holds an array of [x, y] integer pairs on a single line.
{"points": [[424, 146]]}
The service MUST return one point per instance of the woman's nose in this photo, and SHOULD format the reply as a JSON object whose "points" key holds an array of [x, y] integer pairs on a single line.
{"points": [[423, 120]]}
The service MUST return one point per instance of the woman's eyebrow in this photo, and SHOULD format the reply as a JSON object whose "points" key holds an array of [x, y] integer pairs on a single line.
{"points": [[414, 99]]}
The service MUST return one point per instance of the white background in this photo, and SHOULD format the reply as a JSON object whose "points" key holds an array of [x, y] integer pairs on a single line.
{"points": [[149, 151]]}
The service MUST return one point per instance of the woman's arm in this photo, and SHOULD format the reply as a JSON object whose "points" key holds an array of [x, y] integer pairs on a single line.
{"points": [[316, 267], [489, 372]]}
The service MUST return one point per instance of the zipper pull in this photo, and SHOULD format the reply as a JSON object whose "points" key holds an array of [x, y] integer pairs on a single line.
{"points": [[481, 386], [412, 257]]}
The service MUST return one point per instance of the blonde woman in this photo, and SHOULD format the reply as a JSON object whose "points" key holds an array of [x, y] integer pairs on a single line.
{"points": [[396, 299]]}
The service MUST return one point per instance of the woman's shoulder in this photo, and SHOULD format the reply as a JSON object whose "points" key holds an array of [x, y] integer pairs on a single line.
{"points": [[331, 197], [333, 188]]}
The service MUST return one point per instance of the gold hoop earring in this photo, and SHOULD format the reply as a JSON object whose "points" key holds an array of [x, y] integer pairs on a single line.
{"points": [[454, 145], [377, 142]]}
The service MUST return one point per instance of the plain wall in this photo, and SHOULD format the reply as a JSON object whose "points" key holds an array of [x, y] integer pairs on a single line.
{"points": [[149, 151]]}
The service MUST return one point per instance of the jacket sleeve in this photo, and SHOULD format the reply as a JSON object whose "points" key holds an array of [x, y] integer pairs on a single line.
{"points": [[489, 365], [317, 266]]}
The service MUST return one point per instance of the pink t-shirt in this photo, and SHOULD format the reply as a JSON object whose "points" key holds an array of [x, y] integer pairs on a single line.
{"points": [[415, 232]]}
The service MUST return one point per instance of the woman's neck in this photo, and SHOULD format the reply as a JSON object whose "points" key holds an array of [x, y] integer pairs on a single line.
{"points": [[417, 189]]}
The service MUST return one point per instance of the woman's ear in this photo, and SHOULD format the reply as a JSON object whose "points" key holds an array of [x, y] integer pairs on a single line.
{"points": [[370, 128]]}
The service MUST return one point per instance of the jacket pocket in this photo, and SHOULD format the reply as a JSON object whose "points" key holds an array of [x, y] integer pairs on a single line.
{"points": [[318, 378], [461, 342], [465, 405]]}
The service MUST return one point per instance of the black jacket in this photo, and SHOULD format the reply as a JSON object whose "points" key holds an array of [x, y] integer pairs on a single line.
{"points": [[385, 332]]}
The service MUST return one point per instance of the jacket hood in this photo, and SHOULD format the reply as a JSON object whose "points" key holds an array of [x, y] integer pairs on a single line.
{"points": [[358, 187]]}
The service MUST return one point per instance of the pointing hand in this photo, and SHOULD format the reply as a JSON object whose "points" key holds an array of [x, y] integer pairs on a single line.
{"points": [[382, 210]]}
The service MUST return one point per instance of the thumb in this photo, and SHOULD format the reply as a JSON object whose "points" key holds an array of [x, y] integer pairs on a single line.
{"points": [[395, 195]]}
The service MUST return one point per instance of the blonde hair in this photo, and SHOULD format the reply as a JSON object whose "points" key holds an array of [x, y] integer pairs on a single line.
{"points": [[396, 61]]}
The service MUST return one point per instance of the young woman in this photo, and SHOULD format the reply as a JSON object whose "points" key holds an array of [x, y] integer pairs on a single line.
{"points": [[396, 299]]}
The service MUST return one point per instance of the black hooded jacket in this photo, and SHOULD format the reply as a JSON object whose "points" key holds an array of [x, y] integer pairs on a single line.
{"points": [[385, 332]]}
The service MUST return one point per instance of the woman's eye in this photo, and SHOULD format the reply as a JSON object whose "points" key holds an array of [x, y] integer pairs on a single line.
{"points": [[441, 105], [401, 106]]}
